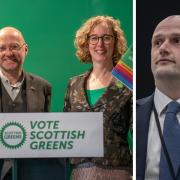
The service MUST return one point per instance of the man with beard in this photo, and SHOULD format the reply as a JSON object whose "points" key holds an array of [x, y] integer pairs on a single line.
{"points": [[23, 92], [158, 117]]}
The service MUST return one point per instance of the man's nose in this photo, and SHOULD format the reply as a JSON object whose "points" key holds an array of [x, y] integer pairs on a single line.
{"points": [[164, 48]]}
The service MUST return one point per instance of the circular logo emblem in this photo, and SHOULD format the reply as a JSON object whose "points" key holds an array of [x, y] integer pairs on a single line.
{"points": [[12, 135]]}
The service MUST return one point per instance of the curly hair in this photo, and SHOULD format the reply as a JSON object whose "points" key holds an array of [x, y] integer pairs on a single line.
{"points": [[81, 38]]}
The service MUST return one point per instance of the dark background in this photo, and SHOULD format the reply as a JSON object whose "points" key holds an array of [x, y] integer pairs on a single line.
{"points": [[148, 15]]}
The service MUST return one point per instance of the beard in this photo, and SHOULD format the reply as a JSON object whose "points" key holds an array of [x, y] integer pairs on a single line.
{"points": [[11, 68], [11, 64]]}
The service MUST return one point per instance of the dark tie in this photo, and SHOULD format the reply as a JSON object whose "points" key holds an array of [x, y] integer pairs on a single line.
{"points": [[171, 135]]}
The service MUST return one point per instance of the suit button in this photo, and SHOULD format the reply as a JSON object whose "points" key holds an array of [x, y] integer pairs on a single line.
{"points": [[14, 104]]}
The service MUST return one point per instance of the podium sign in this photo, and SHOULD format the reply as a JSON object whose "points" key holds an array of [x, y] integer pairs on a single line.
{"points": [[27, 135]]}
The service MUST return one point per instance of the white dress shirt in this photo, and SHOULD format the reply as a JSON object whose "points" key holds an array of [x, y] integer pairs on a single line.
{"points": [[154, 143]]}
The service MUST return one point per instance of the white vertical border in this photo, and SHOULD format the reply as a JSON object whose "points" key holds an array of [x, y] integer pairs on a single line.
{"points": [[134, 89]]}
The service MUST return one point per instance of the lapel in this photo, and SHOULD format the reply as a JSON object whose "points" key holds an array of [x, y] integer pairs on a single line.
{"points": [[82, 88], [143, 113], [31, 93], [108, 94], [112, 92]]}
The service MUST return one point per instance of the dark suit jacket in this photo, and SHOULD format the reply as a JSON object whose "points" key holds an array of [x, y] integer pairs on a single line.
{"points": [[143, 113], [38, 93]]}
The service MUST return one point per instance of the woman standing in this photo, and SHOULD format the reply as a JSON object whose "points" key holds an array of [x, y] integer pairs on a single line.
{"points": [[101, 41]]}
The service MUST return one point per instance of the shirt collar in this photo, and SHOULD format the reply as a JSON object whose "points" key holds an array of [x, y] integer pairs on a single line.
{"points": [[161, 101], [5, 80]]}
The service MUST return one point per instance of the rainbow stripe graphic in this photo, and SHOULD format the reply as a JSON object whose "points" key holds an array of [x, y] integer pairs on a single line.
{"points": [[123, 69]]}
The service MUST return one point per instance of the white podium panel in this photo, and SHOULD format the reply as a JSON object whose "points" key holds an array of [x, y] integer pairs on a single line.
{"points": [[29, 135]]}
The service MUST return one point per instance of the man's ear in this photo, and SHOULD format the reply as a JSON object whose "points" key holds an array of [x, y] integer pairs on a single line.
{"points": [[26, 49]]}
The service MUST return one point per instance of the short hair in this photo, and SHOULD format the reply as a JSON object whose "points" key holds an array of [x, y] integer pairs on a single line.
{"points": [[81, 38]]}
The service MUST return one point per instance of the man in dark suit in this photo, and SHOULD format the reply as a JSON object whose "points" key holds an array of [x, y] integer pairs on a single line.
{"points": [[152, 110], [23, 92]]}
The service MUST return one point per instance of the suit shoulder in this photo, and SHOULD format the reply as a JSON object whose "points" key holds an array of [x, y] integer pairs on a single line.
{"points": [[38, 79], [144, 100]]}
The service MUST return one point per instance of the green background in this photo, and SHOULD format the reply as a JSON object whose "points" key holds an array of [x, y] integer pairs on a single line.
{"points": [[49, 28]]}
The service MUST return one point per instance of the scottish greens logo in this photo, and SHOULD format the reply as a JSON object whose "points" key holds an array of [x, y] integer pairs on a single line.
{"points": [[12, 135]]}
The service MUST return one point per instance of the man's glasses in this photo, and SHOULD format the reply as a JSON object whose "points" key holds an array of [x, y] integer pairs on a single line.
{"points": [[106, 38], [12, 47]]}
